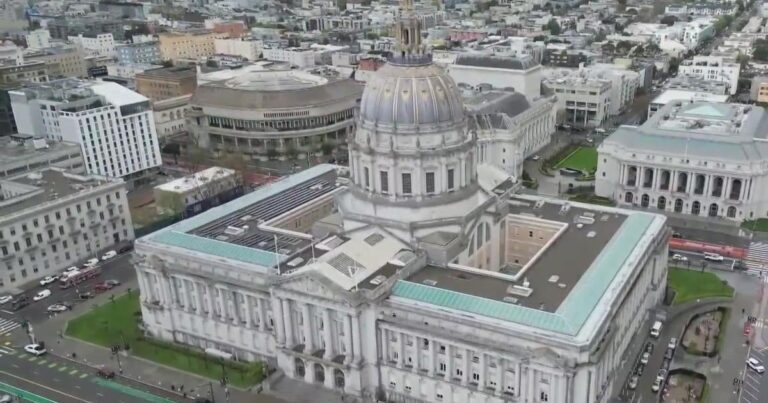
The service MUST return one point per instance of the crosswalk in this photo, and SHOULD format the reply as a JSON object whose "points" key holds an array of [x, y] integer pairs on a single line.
{"points": [[7, 325], [5, 350], [757, 256]]}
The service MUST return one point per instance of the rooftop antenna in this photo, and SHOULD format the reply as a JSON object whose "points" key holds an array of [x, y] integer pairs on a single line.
{"points": [[352, 272]]}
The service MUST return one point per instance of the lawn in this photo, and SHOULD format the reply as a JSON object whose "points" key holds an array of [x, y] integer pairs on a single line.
{"points": [[690, 285], [115, 323], [760, 225], [583, 159]]}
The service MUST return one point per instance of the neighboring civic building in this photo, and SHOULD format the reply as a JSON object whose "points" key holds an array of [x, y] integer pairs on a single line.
{"points": [[263, 113], [113, 125], [53, 219], [421, 276], [712, 68], [704, 159], [164, 83], [522, 74], [190, 45]]}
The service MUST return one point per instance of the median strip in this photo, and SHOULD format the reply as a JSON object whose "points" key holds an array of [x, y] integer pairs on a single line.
{"points": [[131, 391], [23, 394]]}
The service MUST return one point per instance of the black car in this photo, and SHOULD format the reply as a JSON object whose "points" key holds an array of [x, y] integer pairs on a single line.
{"points": [[20, 302], [649, 347], [125, 248], [669, 353], [85, 295]]}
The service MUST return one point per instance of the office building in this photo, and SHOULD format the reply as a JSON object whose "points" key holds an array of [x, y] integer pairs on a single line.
{"points": [[190, 45], [164, 83], [141, 53], [522, 74], [712, 68], [198, 192]]}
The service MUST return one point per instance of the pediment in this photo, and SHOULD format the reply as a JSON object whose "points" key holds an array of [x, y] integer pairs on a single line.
{"points": [[313, 285]]}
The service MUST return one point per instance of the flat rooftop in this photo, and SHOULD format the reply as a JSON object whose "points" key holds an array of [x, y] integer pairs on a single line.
{"points": [[43, 186], [15, 150], [231, 230], [566, 281], [194, 181]]}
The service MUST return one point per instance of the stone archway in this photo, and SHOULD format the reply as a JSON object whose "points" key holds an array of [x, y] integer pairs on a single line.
{"points": [[319, 373], [299, 369], [338, 379]]}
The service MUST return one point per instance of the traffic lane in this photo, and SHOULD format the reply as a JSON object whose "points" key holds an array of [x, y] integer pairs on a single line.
{"points": [[120, 269], [59, 380], [754, 389], [696, 260]]}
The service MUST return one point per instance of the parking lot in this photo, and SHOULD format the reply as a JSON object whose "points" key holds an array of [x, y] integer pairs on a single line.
{"points": [[754, 389], [118, 269]]}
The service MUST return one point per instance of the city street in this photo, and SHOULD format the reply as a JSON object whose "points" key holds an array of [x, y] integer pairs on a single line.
{"points": [[119, 268], [754, 388], [32, 377]]}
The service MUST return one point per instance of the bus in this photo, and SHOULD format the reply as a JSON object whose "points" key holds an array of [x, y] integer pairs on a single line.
{"points": [[77, 277]]}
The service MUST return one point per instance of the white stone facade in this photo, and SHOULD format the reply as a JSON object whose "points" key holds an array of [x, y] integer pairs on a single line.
{"points": [[712, 68]]}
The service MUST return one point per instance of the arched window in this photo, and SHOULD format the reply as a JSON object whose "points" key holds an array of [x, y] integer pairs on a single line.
{"points": [[713, 209], [645, 200], [338, 378], [299, 369], [696, 208], [629, 197], [678, 205], [319, 373], [661, 204], [731, 212]]}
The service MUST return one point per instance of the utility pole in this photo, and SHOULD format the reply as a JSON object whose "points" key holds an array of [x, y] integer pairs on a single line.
{"points": [[213, 398]]}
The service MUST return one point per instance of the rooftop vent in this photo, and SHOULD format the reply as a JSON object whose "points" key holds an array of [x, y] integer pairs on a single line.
{"points": [[519, 290], [262, 244], [591, 234], [511, 300], [235, 231], [584, 219], [295, 262], [221, 237], [247, 217], [374, 238], [553, 278], [565, 208], [539, 204], [561, 285], [429, 282]]}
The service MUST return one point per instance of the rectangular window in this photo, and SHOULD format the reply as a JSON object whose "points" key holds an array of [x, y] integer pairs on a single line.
{"points": [[384, 178], [430, 182], [367, 178], [450, 179], [407, 184]]}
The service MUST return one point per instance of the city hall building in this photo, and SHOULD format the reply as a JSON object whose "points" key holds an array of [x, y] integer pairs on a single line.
{"points": [[418, 274]]}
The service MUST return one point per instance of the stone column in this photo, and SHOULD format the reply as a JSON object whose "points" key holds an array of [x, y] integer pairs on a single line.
{"points": [[467, 366], [347, 338], [431, 362], [328, 355], [247, 300], [356, 348], [481, 370], [307, 320], [449, 361], [277, 314], [288, 323], [385, 346]]}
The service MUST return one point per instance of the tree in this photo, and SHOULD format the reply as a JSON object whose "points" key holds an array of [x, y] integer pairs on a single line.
{"points": [[196, 157], [170, 202], [622, 6], [669, 20], [553, 27], [760, 50], [235, 161]]}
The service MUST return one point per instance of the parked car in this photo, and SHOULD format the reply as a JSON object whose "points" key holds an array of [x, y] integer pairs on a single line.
{"points": [[125, 248], [644, 359], [5, 299], [656, 384], [48, 280], [102, 287], [679, 258], [6, 399], [42, 295], [714, 257], [669, 353], [35, 349], [105, 372], [632, 385], [71, 269], [112, 282], [91, 262], [649, 347], [639, 369], [108, 255], [536, 157], [20, 302], [755, 365], [85, 295], [57, 308], [672, 343]]}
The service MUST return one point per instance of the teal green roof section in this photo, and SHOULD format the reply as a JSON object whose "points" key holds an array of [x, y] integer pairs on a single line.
{"points": [[573, 311], [175, 235], [481, 306], [217, 248]]}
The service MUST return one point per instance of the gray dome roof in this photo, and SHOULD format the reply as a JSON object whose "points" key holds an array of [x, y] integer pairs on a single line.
{"points": [[407, 95]]}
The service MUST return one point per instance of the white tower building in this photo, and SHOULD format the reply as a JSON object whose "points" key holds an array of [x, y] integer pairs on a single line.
{"points": [[412, 157]]}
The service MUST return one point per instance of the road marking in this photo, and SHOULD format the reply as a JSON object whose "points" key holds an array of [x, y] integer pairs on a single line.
{"points": [[83, 376], [53, 364], [62, 368], [8, 312], [7, 343], [753, 379], [32, 359], [44, 387], [749, 393], [74, 371]]}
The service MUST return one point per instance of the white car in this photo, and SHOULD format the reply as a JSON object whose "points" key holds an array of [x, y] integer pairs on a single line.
{"points": [[713, 257], [644, 359], [108, 255], [91, 262], [47, 280], [672, 343], [57, 308], [42, 295], [535, 158], [679, 258], [755, 365], [656, 384], [35, 349], [5, 299], [71, 269]]}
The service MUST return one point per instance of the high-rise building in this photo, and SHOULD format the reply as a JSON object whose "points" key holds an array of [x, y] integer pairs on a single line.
{"points": [[113, 125]]}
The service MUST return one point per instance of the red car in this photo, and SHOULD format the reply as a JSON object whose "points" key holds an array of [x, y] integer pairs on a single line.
{"points": [[102, 287]]}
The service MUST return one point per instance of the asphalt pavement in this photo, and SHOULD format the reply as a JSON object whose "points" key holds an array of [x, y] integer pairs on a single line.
{"points": [[119, 268], [48, 377]]}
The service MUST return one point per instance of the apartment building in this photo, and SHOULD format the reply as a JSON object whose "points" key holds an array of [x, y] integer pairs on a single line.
{"points": [[99, 44], [113, 125], [712, 68], [581, 101], [188, 45], [52, 219], [63, 60], [139, 53]]}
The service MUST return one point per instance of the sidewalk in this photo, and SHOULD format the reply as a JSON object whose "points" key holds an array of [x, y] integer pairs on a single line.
{"points": [[136, 369]]}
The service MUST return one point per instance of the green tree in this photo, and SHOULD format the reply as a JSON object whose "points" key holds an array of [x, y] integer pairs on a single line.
{"points": [[622, 6], [196, 157], [668, 20], [760, 50], [169, 202], [235, 161], [553, 27]]}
